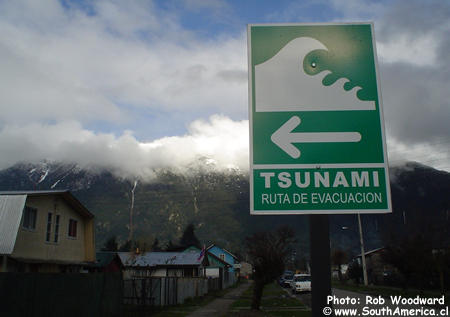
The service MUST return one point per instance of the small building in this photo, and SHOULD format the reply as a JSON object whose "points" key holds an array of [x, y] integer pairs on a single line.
{"points": [[377, 269], [215, 266], [246, 270], [224, 255], [45, 231], [107, 261], [163, 264]]}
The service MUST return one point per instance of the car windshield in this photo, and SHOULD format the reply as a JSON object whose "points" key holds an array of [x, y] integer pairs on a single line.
{"points": [[288, 277], [303, 278]]}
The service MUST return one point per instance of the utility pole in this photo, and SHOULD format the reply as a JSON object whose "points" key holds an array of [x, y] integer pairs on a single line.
{"points": [[363, 254]]}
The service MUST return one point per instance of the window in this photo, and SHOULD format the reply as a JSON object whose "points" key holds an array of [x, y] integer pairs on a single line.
{"points": [[29, 218], [72, 228], [222, 256], [56, 229], [49, 227]]}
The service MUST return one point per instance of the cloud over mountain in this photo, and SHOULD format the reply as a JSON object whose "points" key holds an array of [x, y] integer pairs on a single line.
{"points": [[221, 141]]}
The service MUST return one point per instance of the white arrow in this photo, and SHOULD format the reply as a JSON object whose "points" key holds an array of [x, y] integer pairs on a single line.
{"points": [[284, 137]]}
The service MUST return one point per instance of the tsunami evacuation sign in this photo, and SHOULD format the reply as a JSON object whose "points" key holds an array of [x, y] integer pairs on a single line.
{"points": [[317, 142]]}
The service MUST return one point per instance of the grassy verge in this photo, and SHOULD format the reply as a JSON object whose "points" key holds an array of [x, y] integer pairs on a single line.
{"points": [[275, 302], [386, 291]]}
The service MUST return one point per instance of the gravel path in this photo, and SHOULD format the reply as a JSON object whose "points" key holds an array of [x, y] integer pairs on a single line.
{"points": [[220, 306]]}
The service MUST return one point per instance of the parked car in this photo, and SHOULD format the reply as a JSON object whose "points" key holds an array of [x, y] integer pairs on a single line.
{"points": [[286, 278], [301, 283]]}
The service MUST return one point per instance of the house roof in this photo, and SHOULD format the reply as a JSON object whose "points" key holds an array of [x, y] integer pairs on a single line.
{"points": [[213, 245], [64, 193], [11, 207], [366, 253], [149, 259], [218, 259], [193, 249]]}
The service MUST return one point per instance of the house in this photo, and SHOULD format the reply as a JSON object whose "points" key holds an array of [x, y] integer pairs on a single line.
{"points": [[162, 264], [246, 270], [377, 269], [216, 265], [45, 231], [224, 255]]}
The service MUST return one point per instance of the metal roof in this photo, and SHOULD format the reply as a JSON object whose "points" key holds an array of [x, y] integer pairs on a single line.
{"points": [[33, 192], [215, 245], [11, 208], [370, 252], [65, 193], [149, 259]]}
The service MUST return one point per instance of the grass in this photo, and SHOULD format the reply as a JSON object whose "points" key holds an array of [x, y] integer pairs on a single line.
{"points": [[275, 301]]}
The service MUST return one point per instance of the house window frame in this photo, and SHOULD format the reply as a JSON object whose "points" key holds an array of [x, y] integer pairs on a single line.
{"points": [[56, 230], [26, 218], [48, 228], [72, 230]]}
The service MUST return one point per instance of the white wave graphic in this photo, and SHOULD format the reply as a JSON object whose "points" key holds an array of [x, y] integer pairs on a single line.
{"points": [[282, 85]]}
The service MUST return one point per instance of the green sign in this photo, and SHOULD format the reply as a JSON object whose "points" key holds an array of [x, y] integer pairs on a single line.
{"points": [[316, 124]]}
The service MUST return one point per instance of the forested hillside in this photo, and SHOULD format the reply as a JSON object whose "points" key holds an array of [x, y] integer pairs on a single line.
{"points": [[217, 203]]}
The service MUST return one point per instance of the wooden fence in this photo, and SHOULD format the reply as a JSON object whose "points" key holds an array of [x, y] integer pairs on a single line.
{"points": [[55, 294], [163, 291]]}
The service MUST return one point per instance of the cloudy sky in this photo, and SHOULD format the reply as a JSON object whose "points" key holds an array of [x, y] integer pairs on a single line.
{"points": [[137, 85]]}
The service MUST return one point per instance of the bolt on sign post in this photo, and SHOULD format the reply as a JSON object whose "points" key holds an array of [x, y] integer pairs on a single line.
{"points": [[317, 141]]}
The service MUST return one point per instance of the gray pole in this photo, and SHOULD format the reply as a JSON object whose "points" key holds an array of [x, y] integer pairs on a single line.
{"points": [[363, 254], [4, 263], [319, 232]]}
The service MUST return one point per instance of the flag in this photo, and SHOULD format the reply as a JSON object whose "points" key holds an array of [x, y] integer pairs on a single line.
{"points": [[202, 253]]}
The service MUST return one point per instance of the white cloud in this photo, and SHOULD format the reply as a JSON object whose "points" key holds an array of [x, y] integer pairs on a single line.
{"points": [[436, 154], [221, 140], [66, 64], [64, 69], [419, 51]]}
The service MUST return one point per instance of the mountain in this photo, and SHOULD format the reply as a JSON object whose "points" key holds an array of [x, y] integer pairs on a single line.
{"points": [[217, 203]]}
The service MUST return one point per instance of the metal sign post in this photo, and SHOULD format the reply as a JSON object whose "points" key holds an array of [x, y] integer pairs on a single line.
{"points": [[319, 240]]}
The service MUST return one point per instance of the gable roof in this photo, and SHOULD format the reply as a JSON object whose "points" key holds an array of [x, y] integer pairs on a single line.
{"points": [[366, 253], [194, 249], [64, 193], [212, 255], [10, 215], [213, 245]]}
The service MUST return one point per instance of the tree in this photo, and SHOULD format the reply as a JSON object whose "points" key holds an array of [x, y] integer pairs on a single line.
{"points": [[155, 245], [111, 244], [338, 258], [188, 238], [412, 256], [355, 272], [268, 252], [128, 246], [173, 247]]}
